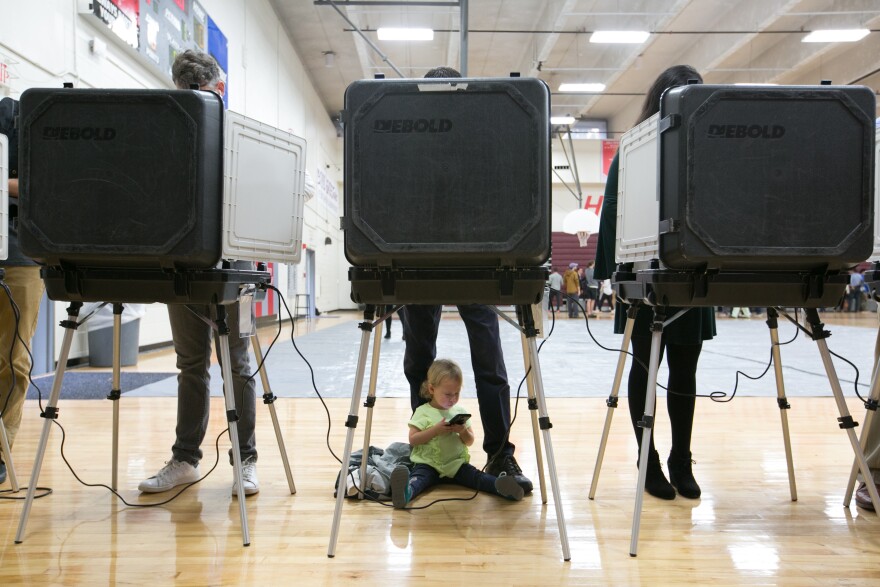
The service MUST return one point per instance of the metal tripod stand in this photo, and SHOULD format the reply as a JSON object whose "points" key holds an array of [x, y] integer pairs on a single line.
{"points": [[782, 402], [871, 405], [51, 411], [540, 420], [816, 331]]}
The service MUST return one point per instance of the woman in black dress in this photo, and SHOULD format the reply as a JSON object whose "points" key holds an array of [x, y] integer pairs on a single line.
{"points": [[682, 340]]}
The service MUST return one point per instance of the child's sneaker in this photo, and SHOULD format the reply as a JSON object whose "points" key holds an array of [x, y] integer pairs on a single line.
{"points": [[506, 486], [400, 489]]}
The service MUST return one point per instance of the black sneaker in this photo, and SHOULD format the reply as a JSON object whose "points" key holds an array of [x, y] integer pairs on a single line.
{"points": [[507, 487], [507, 464], [2, 472]]}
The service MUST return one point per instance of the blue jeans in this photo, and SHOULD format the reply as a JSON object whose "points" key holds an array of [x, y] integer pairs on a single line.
{"points": [[424, 476], [192, 343], [487, 360]]}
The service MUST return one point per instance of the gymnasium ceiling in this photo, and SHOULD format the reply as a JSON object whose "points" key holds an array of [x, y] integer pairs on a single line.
{"points": [[728, 41]]}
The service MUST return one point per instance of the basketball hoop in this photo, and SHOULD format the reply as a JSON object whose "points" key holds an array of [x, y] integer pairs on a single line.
{"points": [[582, 223]]}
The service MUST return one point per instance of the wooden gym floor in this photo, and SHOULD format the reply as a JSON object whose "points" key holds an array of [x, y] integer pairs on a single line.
{"points": [[745, 530]]}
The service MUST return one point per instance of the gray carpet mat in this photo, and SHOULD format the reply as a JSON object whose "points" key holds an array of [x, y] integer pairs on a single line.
{"points": [[572, 364], [91, 384]]}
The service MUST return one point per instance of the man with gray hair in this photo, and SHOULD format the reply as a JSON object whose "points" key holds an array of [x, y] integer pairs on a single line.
{"points": [[192, 342], [194, 68]]}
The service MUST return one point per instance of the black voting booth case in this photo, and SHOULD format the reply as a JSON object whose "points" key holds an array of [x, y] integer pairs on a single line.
{"points": [[766, 186], [447, 184], [148, 163], [122, 195]]}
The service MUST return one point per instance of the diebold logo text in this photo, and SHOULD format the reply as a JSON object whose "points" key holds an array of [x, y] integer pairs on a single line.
{"points": [[75, 133], [417, 125], [745, 131]]}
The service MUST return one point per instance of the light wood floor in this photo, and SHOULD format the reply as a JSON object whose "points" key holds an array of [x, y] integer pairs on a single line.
{"points": [[745, 529]]}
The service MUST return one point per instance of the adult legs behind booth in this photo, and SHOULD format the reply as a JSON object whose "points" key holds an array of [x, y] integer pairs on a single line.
{"points": [[26, 289]]}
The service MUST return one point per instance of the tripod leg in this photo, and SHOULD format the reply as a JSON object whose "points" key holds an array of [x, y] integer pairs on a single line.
{"points": [[6, 453], [49, 414], [351, 423], [611, 402], [369, 403], [232, 418], [870, 413], [647, 425], [528, 326], [116, 389], [269, 399], [773, 325], [533, 410], [846, 421]]}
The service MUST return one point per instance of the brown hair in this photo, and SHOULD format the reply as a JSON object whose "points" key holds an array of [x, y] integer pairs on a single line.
{"points": [[677, 75]]}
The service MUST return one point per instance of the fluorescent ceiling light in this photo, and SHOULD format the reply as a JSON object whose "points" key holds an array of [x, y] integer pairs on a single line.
{"points": [[634, 37], [836, 36], [562, 120], [395, 34], [581, 87]]}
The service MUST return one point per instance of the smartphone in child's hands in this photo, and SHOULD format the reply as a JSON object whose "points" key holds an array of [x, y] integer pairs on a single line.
{"points": [[458, 419]]}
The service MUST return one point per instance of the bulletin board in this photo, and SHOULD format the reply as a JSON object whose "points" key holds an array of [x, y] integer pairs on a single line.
{"points": [[161, 29]]}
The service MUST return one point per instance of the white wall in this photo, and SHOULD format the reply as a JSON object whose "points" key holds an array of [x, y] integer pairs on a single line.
{"points": [[46, 42]]}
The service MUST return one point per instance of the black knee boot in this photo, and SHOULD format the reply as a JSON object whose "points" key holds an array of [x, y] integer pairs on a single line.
{"points": [[655, 481], [682, 477]]}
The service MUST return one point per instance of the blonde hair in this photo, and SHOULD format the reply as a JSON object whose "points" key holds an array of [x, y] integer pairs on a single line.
{"points": [[439, 370]]}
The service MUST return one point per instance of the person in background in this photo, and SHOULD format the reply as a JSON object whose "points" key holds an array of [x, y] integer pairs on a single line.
{"points": [[192, 339], [606, 294], [682, 339], [855, 290], [590, 289], [22, 277], [572, 288], [555, 297], [740, 312], [401, 315]]}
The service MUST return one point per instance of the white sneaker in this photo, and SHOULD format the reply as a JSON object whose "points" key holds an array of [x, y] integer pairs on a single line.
{"points": [[249, 476], [174, 473]]}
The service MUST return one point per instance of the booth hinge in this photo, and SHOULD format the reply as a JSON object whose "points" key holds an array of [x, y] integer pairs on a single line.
{"points": [[668, 122], [669, 225]]}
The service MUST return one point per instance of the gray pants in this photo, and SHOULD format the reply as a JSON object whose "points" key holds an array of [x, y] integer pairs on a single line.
{"points": [[192, 343]]}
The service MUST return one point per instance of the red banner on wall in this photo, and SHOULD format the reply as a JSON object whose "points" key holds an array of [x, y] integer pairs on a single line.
{"points": [[267, 306], [609, 149]]}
